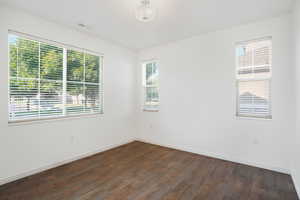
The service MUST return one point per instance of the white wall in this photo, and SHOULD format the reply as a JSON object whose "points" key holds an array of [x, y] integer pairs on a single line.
{"points": [[296, 33], [198, 95], [30, 147]]}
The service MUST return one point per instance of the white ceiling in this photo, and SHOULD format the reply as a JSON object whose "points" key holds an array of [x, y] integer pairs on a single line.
{"points": [[176, 19]]}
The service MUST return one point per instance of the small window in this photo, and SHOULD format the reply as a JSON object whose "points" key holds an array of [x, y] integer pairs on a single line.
{"points": [[253, 74], [51, 80], [150, 85]]}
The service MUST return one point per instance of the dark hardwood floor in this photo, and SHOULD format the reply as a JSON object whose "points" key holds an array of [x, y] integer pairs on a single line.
{"points": [[140, 171]]}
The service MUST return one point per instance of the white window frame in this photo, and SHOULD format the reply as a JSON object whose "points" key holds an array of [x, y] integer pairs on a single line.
{"points": [[65, 47], [238, 115], [144, 64]]}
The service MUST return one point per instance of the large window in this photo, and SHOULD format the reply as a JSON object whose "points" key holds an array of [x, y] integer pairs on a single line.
{"points": [[150, 84], [51, 80], [254, 73]]}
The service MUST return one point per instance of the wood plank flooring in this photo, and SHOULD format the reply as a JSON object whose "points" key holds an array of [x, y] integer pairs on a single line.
{"points": [[140, 171]]}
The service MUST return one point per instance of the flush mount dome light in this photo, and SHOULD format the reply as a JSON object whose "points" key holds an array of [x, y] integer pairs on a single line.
{"points": [[81, 25], [144, 12]]}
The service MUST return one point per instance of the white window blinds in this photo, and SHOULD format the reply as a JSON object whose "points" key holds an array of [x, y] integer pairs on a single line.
{"points": [[50, 81], [150, 84], [254, 65]]}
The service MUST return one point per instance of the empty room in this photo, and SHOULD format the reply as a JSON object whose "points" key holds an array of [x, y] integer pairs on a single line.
{"points": [[150, 100]]}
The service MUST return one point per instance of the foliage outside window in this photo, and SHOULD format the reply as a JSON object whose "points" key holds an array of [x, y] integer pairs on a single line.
{"points": [[150, 83], [51, 81]]}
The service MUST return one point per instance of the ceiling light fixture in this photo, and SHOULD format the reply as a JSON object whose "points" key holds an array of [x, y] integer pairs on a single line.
{"points": [[81, 25], [144, 12]]}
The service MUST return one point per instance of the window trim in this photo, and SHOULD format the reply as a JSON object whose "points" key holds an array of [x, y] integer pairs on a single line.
{"points": [[53, 119], [254, 117], [65, 47], [144, 63], [53, 42]]}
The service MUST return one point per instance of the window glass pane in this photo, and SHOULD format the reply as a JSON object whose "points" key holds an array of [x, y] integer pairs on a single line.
{"points": [[75, 66], [83, 96], [75, 98], [244, 54], [28, 58], [151, 96], [51, 62], [13, 55], [92, 103], [149, 72], [23, 98], [254, 97], [154, 77], [91, 68], [262, 53], [51, 99], [255, 60]]}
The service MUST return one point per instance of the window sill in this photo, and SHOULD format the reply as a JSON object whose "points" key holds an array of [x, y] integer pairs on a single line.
{"points": [[146, 110], [253, 118], [52, 119]]}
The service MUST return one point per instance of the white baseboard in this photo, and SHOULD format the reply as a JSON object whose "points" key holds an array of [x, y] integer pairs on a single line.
{"points": [[221, 157], [209, 154], [41, 169]]}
